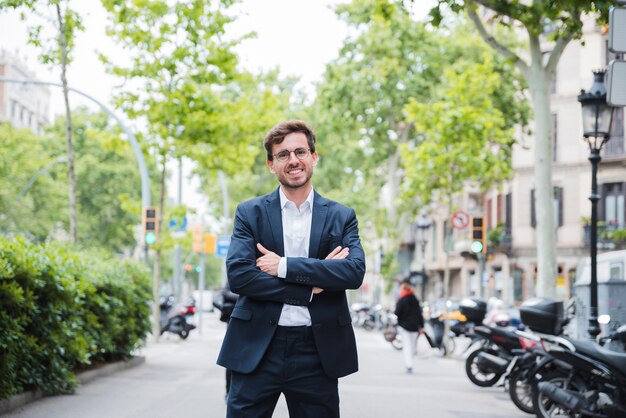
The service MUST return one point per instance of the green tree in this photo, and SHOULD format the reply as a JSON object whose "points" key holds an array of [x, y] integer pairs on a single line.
{"points": [[466, 138], [358, 112], [56, 51], [361, 116], [181, 78], [32, 198], [559, 22], [109, 193]]}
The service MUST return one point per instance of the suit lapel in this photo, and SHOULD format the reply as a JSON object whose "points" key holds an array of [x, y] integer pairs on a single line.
{"points": [[318, 220], [274, 214]]}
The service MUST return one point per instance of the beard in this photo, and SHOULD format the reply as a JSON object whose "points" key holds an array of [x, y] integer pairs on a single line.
{"points": [[295, 183]]}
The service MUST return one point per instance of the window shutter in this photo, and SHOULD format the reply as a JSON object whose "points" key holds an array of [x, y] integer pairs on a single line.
{"points": [[558, 191], [533, 219], [508, 211]]}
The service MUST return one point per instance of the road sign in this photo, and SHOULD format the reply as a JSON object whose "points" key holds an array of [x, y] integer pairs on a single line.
{"points": [[460, 220], [616, 84], [617, 29], [221, 247], [177, 224]]}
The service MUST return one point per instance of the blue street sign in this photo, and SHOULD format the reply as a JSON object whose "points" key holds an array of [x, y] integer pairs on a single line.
{"points": [[221, 246], [178, 225]]}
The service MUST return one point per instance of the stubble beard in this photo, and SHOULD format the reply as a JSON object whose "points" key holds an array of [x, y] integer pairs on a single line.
{"points": [[294, 185]]}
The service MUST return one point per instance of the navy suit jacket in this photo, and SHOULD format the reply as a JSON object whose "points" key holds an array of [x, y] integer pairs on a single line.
{"points": [[261, 296]]}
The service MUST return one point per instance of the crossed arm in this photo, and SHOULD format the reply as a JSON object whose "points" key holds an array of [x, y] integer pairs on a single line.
{"points": [[256, 277], [269, 261]]}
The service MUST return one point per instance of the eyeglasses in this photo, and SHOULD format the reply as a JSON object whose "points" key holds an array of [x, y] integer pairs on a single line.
{"points": [[300, 153]]}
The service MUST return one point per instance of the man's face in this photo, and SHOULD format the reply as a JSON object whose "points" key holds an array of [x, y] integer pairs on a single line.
{"points": [[293, 173]]}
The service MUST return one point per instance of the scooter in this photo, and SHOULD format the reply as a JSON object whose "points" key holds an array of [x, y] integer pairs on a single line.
{"points": [[175, 320]]}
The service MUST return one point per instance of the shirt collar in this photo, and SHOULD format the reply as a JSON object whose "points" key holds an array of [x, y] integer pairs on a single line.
{"points": [[284, 200]]}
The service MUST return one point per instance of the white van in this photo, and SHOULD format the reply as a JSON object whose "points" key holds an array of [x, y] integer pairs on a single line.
{"points": [[610, 267], [611, 290]]}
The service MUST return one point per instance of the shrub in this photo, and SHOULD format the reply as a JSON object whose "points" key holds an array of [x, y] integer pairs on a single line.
{"points": [[61, 309]]}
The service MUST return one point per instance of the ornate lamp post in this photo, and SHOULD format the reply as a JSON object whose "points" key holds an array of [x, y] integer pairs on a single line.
{"points": [[597, 118], [423, 225]]}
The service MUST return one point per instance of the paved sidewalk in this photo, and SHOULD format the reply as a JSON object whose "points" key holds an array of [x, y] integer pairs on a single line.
{"points": [[180, 379]]}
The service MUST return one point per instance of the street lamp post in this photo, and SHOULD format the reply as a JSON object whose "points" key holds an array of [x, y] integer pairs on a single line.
{"points": [[597, 118], [423, 225]]}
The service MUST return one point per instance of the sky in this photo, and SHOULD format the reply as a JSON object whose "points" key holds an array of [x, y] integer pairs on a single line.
{"points": [[307, 29]]}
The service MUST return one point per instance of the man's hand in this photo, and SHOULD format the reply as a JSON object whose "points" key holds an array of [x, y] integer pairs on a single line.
{"points": [[337, 254], [268, 262]]}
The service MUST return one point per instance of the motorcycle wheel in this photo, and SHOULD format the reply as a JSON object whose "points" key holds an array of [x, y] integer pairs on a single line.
{"points": [[184, 332], [544, 407], [480, 377], [520, 391]]}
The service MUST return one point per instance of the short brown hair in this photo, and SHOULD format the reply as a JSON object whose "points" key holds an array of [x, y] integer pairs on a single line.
{"points": [[277, 134]]}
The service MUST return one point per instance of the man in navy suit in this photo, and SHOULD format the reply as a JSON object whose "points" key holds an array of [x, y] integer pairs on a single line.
{"points": [[292, 256]]}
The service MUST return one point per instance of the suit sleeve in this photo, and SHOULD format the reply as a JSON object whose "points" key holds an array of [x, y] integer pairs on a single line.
{"points": [[246, 279], [332, 275]]}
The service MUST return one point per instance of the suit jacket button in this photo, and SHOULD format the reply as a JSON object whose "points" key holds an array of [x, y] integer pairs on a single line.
{"points": [[272, 322]]}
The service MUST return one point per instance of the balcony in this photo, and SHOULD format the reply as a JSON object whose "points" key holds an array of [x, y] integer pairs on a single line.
{"points": [[499, 239], [610, 236]]}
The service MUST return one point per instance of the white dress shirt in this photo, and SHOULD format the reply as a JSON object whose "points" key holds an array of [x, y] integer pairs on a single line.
{"points": [[296, 236]]}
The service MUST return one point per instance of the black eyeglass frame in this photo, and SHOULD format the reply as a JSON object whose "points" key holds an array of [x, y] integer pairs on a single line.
{"points": [[286, 157]]}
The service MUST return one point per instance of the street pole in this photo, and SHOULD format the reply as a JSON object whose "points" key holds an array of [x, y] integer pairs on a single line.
{"points": [[594, 327], [481, 273], [226, 215], [60, 159], [201, 286], [424, 281], [177, 280]]}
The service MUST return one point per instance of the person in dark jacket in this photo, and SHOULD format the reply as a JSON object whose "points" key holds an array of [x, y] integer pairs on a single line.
{"points": [[410, 322]]}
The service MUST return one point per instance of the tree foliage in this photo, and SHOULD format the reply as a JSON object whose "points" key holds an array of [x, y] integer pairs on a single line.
{"points": [[108, 193], [365, 126], [56, 51]]}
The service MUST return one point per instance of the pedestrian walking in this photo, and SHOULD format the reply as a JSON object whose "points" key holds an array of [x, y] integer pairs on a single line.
{"points": [[410, 322], [293, 254]]}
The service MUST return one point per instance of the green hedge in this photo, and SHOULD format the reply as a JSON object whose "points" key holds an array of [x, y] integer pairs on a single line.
{"points": [[62, 310]]}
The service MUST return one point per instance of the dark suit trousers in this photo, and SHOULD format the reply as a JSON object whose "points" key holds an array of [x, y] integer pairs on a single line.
{"points": [[290, 366]]}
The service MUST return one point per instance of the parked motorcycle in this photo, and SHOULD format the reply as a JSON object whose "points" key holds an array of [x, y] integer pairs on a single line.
{"points": [[577, 378], [175, 319], [495, 349]]}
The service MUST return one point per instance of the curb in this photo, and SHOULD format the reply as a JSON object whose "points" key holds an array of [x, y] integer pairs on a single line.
{"points": [[21, 399]]}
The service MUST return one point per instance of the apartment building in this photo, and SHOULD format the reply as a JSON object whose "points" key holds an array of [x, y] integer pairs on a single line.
{"points": [[24, 105], [510, 267]]}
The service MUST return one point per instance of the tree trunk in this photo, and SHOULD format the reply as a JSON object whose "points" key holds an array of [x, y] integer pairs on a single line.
{"points": [[71, 174], [539, 83]]}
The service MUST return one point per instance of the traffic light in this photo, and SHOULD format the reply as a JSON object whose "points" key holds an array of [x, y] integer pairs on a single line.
{"points": [[197, 235], [209, 243], [150, 223], [479, 235]]}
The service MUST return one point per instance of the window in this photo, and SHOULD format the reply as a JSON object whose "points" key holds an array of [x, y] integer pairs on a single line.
{"points": [[557, 206], [612, 211]]}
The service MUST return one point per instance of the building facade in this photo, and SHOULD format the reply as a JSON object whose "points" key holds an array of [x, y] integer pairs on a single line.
{"points": [[510, 263], [24, 105]]}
